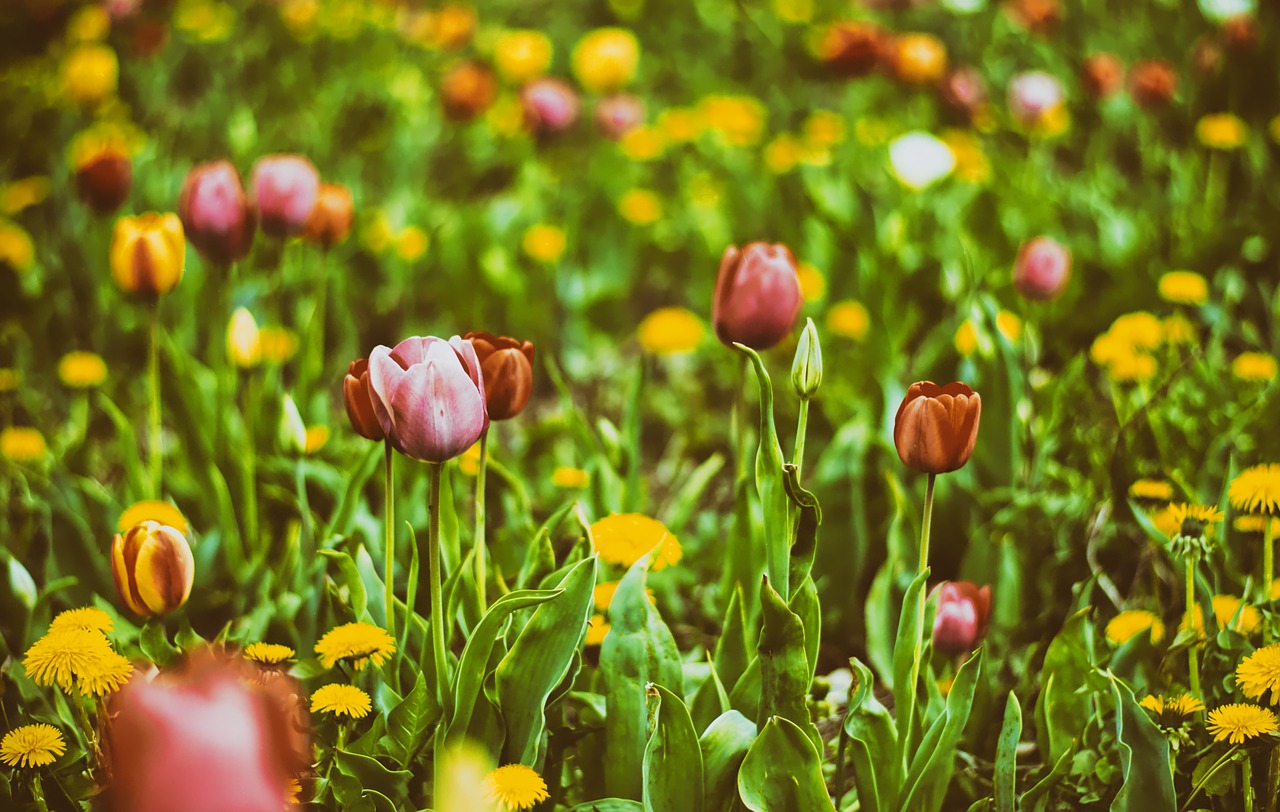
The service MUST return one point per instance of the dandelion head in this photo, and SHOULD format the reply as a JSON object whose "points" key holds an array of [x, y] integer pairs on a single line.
{"points": [[35, 745], [1259, 673], [1256, 489], [61, 656], [515, 787], [1124, 626], [86, 617], [360, 642], [624, 537], [1238, 722], [268, 653], [341, 700]]}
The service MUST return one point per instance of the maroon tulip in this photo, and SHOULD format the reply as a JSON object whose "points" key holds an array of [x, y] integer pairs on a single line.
{"points": [[1153, 83], [757, 295], [507, 365], [853, 49], [617, 115], [1102, 74], [216, 215], [203, 738], [285, 188], [964, 90], [961, 620], [103, 180], [550, 106], [428, 394], [358, 396], [1042, 269], [936, 427]]}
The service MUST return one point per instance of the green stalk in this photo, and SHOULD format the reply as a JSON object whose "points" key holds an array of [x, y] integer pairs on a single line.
{"points": [[1268, 559], [738, 423], [917, 652], [219, 360], [251, 466], [1273, 779], [437, 588], [802, 428], [389, 541], [1246, 780], [153, 379], [306, 553], [480, 550], [1193, 657], [313, 361], [37, 792], [1209, 774]]}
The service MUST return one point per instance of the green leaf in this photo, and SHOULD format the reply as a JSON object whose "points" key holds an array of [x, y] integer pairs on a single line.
{"points": [[724, 744], [782, 772], [709, 701], [807, 519], [350, 577], [609, 805], [1036, 798], [732, 650], [539, 559], [154, 643], [771, 485], [672, 759], [805, 605], [340, 524], [905, 693], [932, 764], [407, 723], [1065, 700], [538, 661], [372, 774], [1006, 776], [877, 771], [745, 695], [784, 667], [1144, 757]]}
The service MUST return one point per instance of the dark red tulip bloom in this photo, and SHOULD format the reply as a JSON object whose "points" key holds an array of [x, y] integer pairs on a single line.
{"points": [[961, 620], [507, 365], [757, 295], [936, 427], [358, 397], [216, 215]]}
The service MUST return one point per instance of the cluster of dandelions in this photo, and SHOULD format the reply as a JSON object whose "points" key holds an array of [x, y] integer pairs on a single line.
{"points": [[76, 652], [360, 644]]}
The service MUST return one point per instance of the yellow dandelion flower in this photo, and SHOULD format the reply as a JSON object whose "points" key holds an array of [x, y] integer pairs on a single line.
{"points": [[1132, 367], [86, 617], [295, 791], [10, 380], [522, 56], [966, 338], [89, 24], [597, 628], [1172, 708], [1106, 348], [1254, 367], [268, 653], [1259, 673], [1141, 330], [1154, 489], [602, 595], [411, 243], [1164, 521], [783, 153], [105, 676], [643, 143], [1239, 722], [1224, 609], [21, 444], [543, 242], [515, 787], [623, 538], [29, 746], [18, 195], [606, 59], [1009, 325], [1124, 626], [671, 330], [1256, 489], [361, 642], [317, 438], [823, 129], [738, 120], [1252, 523], [849, 318], [90, 73], [640, 207], [1275, 589], [276, 344], [568, 477], [61, 656], [82, 370], [341, 700], [1178, 330], [152, 510], [469, 461], [16, 249], [1221, 131], [1184, 287], [679, 124], [1197, 515], [945, 684], [1154, 704], [376, 233], [813, 285]]}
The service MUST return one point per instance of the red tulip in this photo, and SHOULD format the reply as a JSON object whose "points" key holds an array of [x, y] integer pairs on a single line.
{"points": [[550, 106], [1102, 74], [757, 295], [936, 427], [507, 365], [1153, 83], [358, 396], [961, 620], [285, 188], [428, 394], [216, 214], [203, 738], [1042, 269]]}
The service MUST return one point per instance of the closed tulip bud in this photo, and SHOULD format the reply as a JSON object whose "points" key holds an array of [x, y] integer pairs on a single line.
{"points": [[244, 345], [1102, 75], [1037, 16], [291, 431], [1032, 95], [550, 106], [757, 295], [936, 427], [147, 253], [208, 736], [964, 90], [216, 214], [618, 115], [853, 49], [1153, 83], [152, 567], [1042, 269], [358, 397], [331, 219], [467, 90], [806, 368], [285, 188], [961, 620], [104, 179], [507, 366], [429, 396]]}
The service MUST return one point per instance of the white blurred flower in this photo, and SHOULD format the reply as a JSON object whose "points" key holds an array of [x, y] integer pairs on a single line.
{"points": [[1033, 94], [918, 159], [964, 6], [1219, 11]]}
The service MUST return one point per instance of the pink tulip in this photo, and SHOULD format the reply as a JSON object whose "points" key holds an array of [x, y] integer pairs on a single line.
{"points": [[961, 620], [757, 295], [216, 215], [1042, 269], [550, 106], [618, 114], [204, 738], [285, 188], [1032, 95], [428, 394]]}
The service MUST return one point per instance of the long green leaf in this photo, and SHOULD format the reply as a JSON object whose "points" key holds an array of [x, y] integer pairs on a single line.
{"points": [[771, 485], [724, 744], [784, 667], [673, 777], [932, 764], [873, 743], [1006, 778], [782, 772], [1144, 757]]}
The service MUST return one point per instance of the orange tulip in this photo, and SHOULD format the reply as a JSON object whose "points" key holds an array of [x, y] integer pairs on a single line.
{"points": [[359, 400], [330, 220], [507, 365], [936, 426]]}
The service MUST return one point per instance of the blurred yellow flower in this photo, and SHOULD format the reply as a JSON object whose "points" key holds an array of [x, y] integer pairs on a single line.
{"points": [[670, 330], [469, 460], [506, 116], [244, 345], [205, 20], [82, 370], [1009, 325], [277, 344], [966, 338], [453, 25], [919, 59], [18, 195], [1224, 608], [1252, 523], [623, 538], [1140, 329], [823, 129], [640, 207], [1123, 627], [89, 24], [606, 59], [794, 11], [104, 138], [1255, 367], [849, 318], [1221, 131], [411, 243], [522, 55], [10, 380], [152, 510], [1132, 367], [597, 628], [1259, 674], [1256, 489], [16, 248], [643, 143], [1184, 287], [783, 153], [544, 242], [1164, 521], [300, 16], [570, 478], [377, 234], [972, 165], [1051, 123], [317, 437], [21, 444], [679, 124], [813, 285], [738, 120], [90, 73], [1154, 489], [872, 132], [1178, 330]]}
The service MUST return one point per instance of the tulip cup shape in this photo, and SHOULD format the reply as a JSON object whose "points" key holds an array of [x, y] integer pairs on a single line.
{"points": [[285, 188], [1042, 269], [961, 620], [147, 254], [937, 426], [330, 221], [757, 295], [216, 214], [507, 365], [428, 394], [358, 396], [152, 567], [550, 106]]}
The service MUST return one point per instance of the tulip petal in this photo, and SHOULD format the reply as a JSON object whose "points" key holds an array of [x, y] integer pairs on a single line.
{"points": [[437, 409], [385, 377]]}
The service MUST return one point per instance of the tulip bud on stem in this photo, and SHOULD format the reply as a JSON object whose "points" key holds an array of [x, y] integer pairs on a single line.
{"points": [[153, 382], [480, 550], [1193, 656], [918, 650], [434, 582]]}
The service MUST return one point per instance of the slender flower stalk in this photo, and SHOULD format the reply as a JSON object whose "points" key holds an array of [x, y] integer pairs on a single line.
{"points": [[251, 464], [1193, 656], [802, 428], [481, 551], [435, 583], [917, 652], [153, 381], [389, 540]]}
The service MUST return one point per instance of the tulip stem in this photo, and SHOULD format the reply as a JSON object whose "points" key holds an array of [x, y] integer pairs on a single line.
{"points": [[251, 466], [389, 541], [153, 379], [433, 574], [802, 428], [480, 550], [917, 652], [1193, 657]]}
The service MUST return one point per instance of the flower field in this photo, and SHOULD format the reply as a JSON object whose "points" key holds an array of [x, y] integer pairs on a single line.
{"points": [[639, 405]]}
